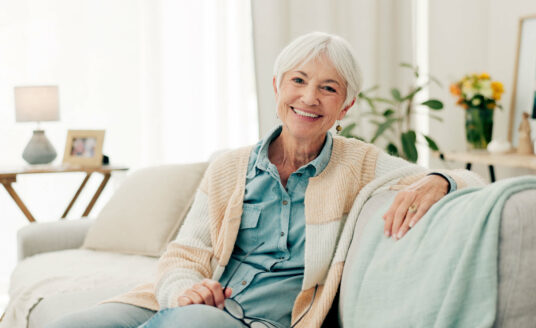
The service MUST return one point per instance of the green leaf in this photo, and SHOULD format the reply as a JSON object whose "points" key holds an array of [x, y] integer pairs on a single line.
{"points": [[407, 65], [431, 143], [383, 100], [346, 131], [408, 145], [412, 94], [435, 117], [388, 112], [396, 94], [369, 101], [436, 81], [382, 127], [433, 104], [392, 150]]}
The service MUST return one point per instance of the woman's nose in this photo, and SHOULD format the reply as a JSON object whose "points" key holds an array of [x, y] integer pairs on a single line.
{"points": [[310, 96]]}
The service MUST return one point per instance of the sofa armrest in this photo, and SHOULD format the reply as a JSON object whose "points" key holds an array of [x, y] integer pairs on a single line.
{"points": [[45, 237]]}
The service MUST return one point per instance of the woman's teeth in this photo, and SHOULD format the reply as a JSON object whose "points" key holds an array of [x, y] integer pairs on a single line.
{"points": [[302, 113]]}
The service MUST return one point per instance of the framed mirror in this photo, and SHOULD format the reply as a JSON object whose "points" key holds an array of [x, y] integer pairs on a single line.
{"points": [[524, 89]]}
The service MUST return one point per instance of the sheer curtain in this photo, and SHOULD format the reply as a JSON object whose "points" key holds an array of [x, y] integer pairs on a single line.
{"points": [[170, 81], [205, 71]]}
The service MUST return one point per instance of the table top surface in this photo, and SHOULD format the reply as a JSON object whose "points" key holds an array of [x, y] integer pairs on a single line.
{"points": [[510, 159], [7, 172]]}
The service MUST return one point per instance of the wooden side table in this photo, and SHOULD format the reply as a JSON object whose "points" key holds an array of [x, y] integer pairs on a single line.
{"points": [[9, 176], [483, 157]]}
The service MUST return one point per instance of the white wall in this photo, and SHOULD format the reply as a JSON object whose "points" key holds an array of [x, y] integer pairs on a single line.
{"points": [[91, 53], [481, 37], [170, 82]]}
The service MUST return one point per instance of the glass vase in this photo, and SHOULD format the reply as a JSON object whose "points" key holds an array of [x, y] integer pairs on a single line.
{"points": [[478, 127]]}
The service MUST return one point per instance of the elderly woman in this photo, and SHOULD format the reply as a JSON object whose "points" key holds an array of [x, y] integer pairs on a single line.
{"points": [[256, 249]]}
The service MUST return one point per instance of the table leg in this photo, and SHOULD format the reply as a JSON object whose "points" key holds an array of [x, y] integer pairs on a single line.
{"points": [[19, 202], [88, 175], [97, 194], [491, 173]]}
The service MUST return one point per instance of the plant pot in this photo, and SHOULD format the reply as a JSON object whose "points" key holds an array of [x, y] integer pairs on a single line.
{"points": [[478, 127]]}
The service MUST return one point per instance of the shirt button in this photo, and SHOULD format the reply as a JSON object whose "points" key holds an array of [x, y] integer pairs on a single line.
{"points": [[244, 282], [282, 258], [282, 233], [298, 174], [285, 202]]}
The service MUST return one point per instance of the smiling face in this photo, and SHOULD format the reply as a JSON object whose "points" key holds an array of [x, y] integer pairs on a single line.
{"points": [[310, 99]]}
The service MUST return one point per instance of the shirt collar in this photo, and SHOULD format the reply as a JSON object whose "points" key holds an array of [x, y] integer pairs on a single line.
{"points": [[316, 166]]}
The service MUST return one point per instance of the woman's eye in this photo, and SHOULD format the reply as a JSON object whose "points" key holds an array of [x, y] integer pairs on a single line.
{"points": [[298, 80], [330, 89]]}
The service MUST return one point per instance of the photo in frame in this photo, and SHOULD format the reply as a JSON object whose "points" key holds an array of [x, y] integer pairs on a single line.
{"points": [[84, 147], [524, 89]]}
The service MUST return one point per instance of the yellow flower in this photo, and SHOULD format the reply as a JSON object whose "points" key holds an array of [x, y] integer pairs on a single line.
{"points": [[497, 95], [490, 105], [455, 89], [497, 86], [484, 76]]}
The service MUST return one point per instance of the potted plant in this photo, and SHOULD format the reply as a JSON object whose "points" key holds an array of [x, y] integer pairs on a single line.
{"points": [[479, 96], [392, 116]]}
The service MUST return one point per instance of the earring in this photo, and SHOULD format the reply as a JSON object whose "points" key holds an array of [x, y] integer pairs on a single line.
{"points": [[338, 127]]}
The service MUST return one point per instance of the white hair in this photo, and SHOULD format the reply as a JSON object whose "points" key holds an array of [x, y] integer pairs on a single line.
{"points": [[312, 46]]}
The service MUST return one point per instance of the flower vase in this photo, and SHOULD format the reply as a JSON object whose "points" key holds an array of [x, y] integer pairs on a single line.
{"points": [[478, 127]]}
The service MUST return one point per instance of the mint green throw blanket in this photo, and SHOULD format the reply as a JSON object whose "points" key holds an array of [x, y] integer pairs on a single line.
{"points": [[443, 273]]}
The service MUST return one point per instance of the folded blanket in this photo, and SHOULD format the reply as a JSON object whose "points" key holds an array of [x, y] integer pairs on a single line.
{"points": [[443, 273]]}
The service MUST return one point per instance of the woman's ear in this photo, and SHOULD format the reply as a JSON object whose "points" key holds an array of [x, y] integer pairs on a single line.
{"points": [[274, 82], [346, 109]]}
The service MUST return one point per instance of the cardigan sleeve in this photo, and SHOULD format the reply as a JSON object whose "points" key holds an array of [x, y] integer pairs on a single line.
{"points": [[187, 260], [386, 163]]}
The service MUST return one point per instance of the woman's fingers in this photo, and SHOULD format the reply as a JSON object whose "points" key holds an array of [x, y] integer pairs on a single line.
{"points": [[216, 292], [184, 300], [401, 215], [389, 216], [413, 217], [228, 292], [207, 292], [397, 212], [411, 205], [192, 296]]}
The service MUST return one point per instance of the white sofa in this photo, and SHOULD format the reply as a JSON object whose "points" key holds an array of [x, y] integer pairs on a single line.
{"points": [[57, 276]]}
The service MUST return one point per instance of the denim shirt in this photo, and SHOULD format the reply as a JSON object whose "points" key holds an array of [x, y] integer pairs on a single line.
{"points": [[270, 279]]}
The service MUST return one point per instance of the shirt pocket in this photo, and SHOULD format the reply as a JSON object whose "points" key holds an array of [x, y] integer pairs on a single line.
{"points": [[248, 235]]}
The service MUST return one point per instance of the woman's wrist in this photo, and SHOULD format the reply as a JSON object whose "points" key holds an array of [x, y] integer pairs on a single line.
{"points": [[452, 186]]}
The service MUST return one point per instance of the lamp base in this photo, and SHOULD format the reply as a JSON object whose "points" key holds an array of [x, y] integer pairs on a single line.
{"points": [[39, 150]]}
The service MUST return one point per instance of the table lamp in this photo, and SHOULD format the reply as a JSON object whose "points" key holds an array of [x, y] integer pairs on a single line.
{"points": [[38, 103]]}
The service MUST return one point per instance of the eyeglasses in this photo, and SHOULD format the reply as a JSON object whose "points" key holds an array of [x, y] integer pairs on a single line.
{"points": [[236, 310]]}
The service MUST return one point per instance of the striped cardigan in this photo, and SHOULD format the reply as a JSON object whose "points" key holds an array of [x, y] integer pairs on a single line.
{"points": [[206, 240]]}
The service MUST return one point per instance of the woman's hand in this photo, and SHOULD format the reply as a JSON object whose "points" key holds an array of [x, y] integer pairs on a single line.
{"points": [[207, 292], [412, 203]]}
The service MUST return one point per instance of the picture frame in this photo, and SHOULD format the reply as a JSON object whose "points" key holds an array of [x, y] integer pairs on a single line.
{"points": [[524, 87], [83, 148]]}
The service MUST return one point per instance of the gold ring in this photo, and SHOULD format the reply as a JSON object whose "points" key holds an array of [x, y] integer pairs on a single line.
{"points": [[412, 208]]}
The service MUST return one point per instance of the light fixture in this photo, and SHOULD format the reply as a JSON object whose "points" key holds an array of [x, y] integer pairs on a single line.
{"points": [[37, 103]]}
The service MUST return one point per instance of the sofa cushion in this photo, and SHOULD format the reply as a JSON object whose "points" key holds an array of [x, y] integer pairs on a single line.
{"points": [[146, 211]]}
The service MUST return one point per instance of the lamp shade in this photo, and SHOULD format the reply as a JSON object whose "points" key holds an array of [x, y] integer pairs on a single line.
{"points": [[38, 103]]}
